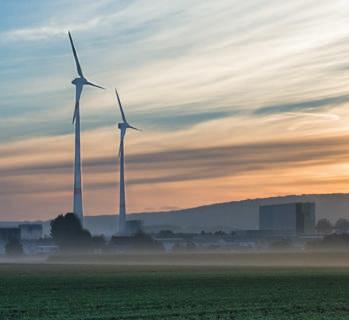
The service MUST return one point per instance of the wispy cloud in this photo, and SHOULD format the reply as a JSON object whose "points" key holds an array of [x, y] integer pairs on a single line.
{"points": [[315, 105], [49, 31]]}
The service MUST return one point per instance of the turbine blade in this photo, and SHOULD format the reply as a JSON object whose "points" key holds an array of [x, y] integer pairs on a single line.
{"points": [[120, 106], [78, 68], [123, 133], [134, 128], [78, 91], [119, 153], [94, 85], [75, 111]]}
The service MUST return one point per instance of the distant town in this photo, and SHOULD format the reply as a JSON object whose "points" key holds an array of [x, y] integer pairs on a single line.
{"points": [[281, 226]]}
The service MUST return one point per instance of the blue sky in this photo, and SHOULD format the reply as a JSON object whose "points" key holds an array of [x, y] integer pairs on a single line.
{"points": [[195, 76]]}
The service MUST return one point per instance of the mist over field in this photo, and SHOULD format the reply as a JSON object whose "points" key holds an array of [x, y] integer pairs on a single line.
{"points": [[215, 258]]}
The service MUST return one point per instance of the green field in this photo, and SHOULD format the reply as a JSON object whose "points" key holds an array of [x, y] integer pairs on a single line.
{"points": [[114, 292]]}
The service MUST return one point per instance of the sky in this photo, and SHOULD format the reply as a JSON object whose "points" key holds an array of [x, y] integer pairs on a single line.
{"points": [[236, 100]]}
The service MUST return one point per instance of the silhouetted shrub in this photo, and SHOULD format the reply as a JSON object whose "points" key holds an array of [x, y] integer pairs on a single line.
{"points": [[324, 226], [140, 241], [342, 225]]}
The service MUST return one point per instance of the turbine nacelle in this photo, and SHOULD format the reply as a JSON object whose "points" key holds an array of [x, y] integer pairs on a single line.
{"points": [[78, 81], [125, 125], [83, 81], [122, 126]]}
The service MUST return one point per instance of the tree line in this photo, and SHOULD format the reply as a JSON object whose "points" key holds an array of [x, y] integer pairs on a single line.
{"points": [[324, 226]]}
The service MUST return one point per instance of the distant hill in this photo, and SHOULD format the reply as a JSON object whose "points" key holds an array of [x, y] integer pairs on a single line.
{"points": [[226, 216], [222, 216]]}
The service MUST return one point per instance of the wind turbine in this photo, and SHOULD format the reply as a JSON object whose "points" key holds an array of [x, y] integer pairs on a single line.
{"points": [[79, 83], [123, 126]]}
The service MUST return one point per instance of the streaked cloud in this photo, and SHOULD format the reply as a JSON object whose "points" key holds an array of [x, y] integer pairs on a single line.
{"points": [[314, 105]]}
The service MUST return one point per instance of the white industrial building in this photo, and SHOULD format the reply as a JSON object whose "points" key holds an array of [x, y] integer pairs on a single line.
{"points": [[292, 218]]}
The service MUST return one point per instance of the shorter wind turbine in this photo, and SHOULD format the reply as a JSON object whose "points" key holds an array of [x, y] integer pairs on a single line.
{"points": [[78, 83], [123, 126]]}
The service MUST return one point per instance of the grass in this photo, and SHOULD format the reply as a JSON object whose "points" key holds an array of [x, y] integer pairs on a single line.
{"points": [[118, 292]]}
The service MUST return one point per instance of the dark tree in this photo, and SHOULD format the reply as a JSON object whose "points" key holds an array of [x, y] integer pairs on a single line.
{"points": [[13, 248], [324, 226], [68, 234], [342, 225]]}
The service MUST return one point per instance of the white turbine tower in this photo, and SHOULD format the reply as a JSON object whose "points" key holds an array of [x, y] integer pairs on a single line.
{"points": [[123, 126], [78, 83]]}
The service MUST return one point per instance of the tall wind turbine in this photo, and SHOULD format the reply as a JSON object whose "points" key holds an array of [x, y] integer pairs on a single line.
{"points": [[123, 126], [78, 82]]}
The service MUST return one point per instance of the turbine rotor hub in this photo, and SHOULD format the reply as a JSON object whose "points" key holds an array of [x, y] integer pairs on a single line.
{"points": [[77, 81]]}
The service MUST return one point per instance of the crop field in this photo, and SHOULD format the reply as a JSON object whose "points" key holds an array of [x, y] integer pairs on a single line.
{"points": [[119, 292]]}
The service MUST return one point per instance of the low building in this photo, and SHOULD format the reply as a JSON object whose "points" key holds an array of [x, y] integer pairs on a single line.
{"points": [[290, 218], [31, 231], [44, 246], [8, 234]]}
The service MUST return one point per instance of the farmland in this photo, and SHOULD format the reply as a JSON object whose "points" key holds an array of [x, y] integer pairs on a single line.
{"points": [[75, 292]]}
